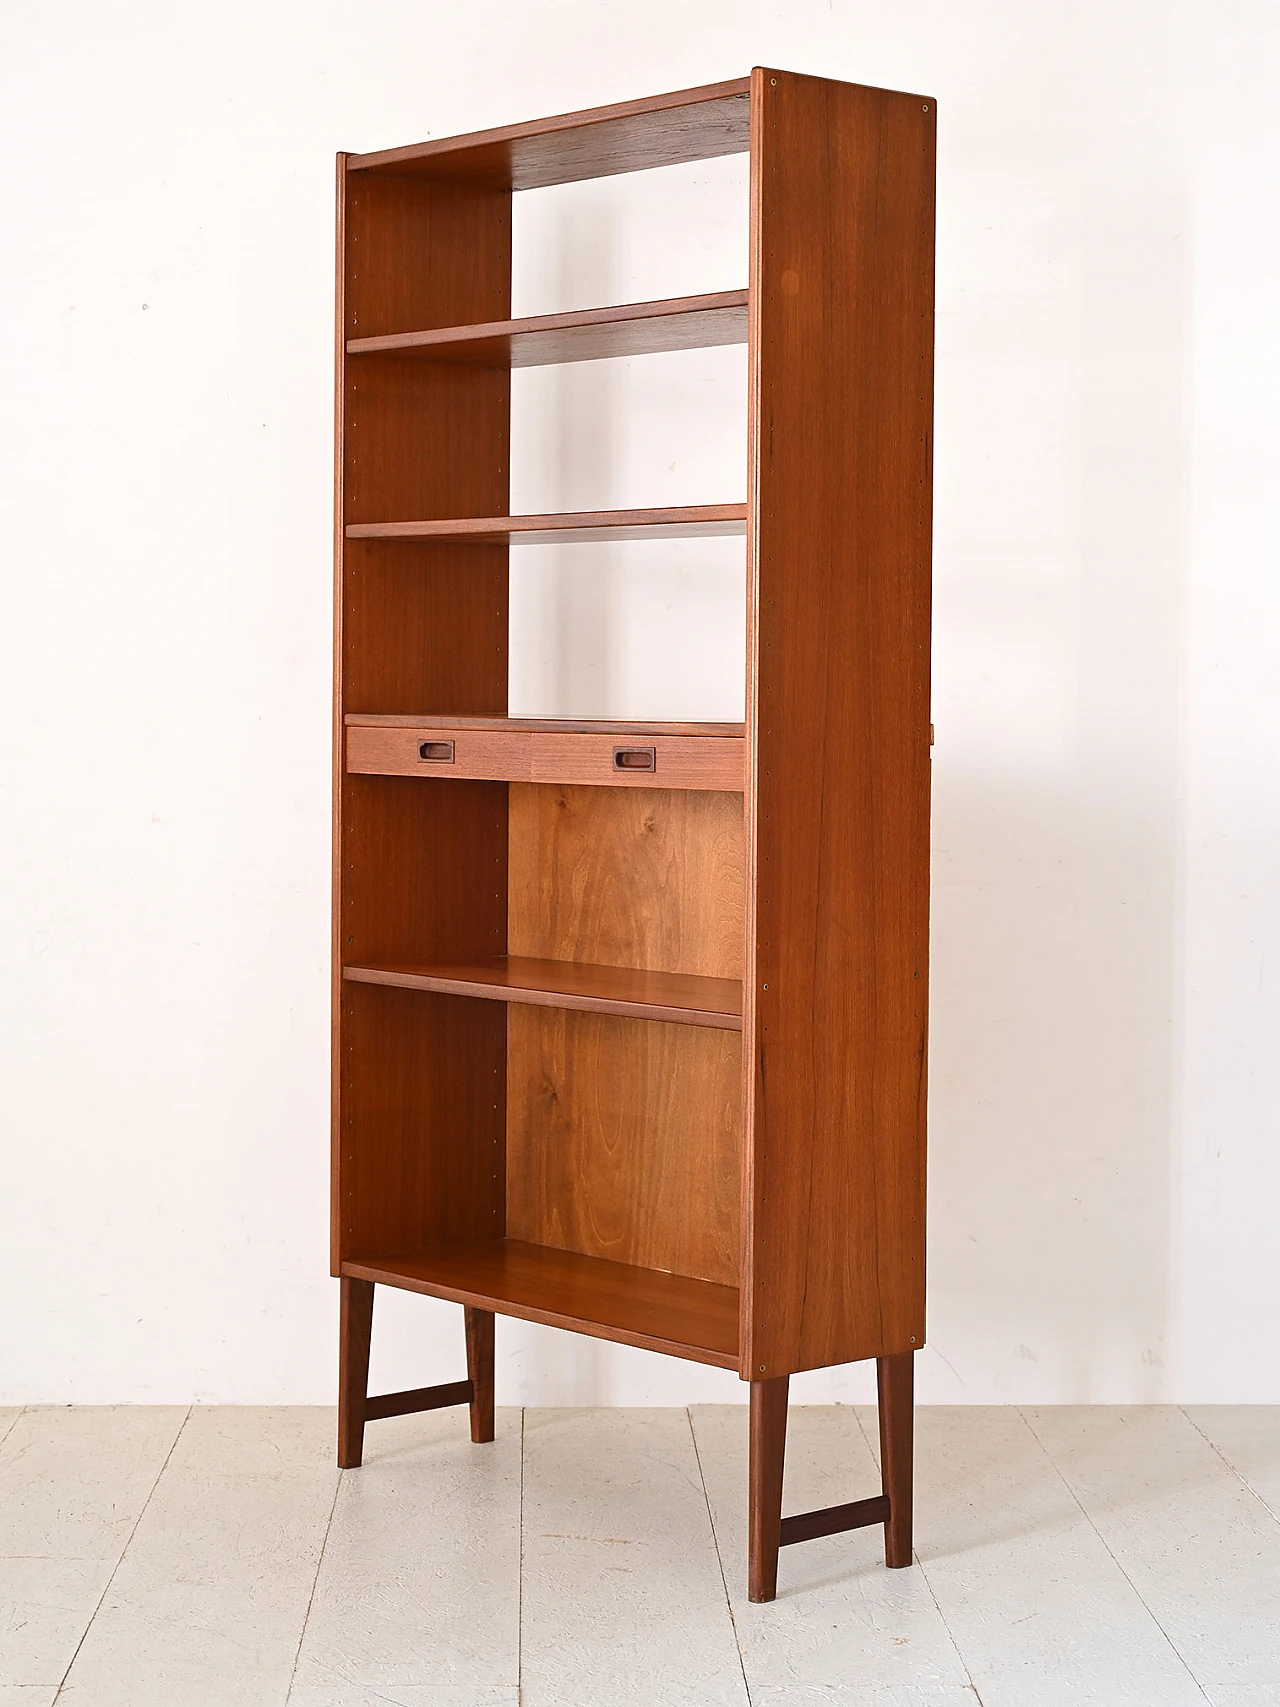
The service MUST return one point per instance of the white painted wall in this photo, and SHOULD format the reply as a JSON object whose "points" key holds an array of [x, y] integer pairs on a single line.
{"points": [[1106, 1075]]}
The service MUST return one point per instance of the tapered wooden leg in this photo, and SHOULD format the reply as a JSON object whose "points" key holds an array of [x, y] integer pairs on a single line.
{"points": [[895, 1384], [767, 1451], [479, 1328], [353, 1368]]}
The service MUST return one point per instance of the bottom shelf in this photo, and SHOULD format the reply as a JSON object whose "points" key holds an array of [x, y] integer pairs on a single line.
{"points": [[671, 1313]]}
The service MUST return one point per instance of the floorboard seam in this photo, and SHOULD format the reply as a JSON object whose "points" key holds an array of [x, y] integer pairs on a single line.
{"points": [[120, 1560], [1238, 1474], [924, 1575], [520, 1579], [306, 1617], [1142, 1601], [715, 1542]]}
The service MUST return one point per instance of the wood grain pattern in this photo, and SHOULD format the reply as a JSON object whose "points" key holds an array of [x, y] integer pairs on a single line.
{"points": [[669, 996], [766, 1457], [635, 1306], [418, 1112], [424, 625], [423, 1138], [478, 1325], [833, 1520], [680, 761], [650, 879], [571, 527], [547, 725], [338, 738], [630, 136], [840, 361], [418, 255], [414, 1399], [355, 1326], [586, 335], [623, 1140], [895, 1388]]}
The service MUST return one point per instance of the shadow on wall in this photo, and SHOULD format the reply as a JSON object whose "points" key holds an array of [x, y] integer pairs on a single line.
{"points": [[1061, 546], [564, 615]]}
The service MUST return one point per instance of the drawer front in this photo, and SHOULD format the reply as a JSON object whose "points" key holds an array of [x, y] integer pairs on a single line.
{"points": [[521, 755]]}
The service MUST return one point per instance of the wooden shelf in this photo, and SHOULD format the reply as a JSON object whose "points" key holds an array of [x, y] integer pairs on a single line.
{"points": [[498, 749], [677, 997], [632, 136], [638, 329], [688, 521], [543, 725], [671, 1313]]}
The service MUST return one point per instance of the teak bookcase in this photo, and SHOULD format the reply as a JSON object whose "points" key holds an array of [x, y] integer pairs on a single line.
{"points": [[629, 1019]]}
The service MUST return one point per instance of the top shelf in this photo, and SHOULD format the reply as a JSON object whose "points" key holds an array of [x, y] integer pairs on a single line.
{"points": [[600, 142]]}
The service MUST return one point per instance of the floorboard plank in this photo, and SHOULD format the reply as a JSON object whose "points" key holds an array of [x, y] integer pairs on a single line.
{"points": [[419, 1588], [1038, 1608], [73, 1481], [841, 1621], [1200, 1548], [1248, 1437], [208, 1603], [622, 1600]]}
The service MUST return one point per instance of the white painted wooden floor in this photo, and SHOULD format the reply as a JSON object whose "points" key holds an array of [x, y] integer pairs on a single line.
{"points": [[215, 1558]]}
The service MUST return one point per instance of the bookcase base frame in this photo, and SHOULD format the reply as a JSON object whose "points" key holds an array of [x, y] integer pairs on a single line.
{"points": [[768, 1530], [356, 1406]]}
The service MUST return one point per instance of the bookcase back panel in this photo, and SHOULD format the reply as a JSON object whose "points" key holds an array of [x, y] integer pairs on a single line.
{"points": [[424, 627], [421, 1137], [624, 1140], [650, 878]]}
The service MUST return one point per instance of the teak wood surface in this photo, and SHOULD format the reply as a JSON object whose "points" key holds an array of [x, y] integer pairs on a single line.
{"points": [[836, 978], [542, 725], [632, 136], [624, 1137], [419, 1081], [586, 335], [625, 990], [515, 755], [693, 1319], [630, 1018], [571, 527]]}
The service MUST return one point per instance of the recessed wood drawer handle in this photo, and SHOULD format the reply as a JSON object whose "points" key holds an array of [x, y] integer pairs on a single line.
{"points": [[435, 752], [635, 758]]}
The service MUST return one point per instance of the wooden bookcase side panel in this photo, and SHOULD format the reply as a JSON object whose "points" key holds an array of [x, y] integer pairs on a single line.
{"points": [[419, 1080], [424, 872], [424, 624], [422, 1144], [422, 254], [425, 440], [840, 358]]}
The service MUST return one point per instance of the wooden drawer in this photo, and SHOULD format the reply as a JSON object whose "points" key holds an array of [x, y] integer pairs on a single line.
{"points": [[646, 760]]}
